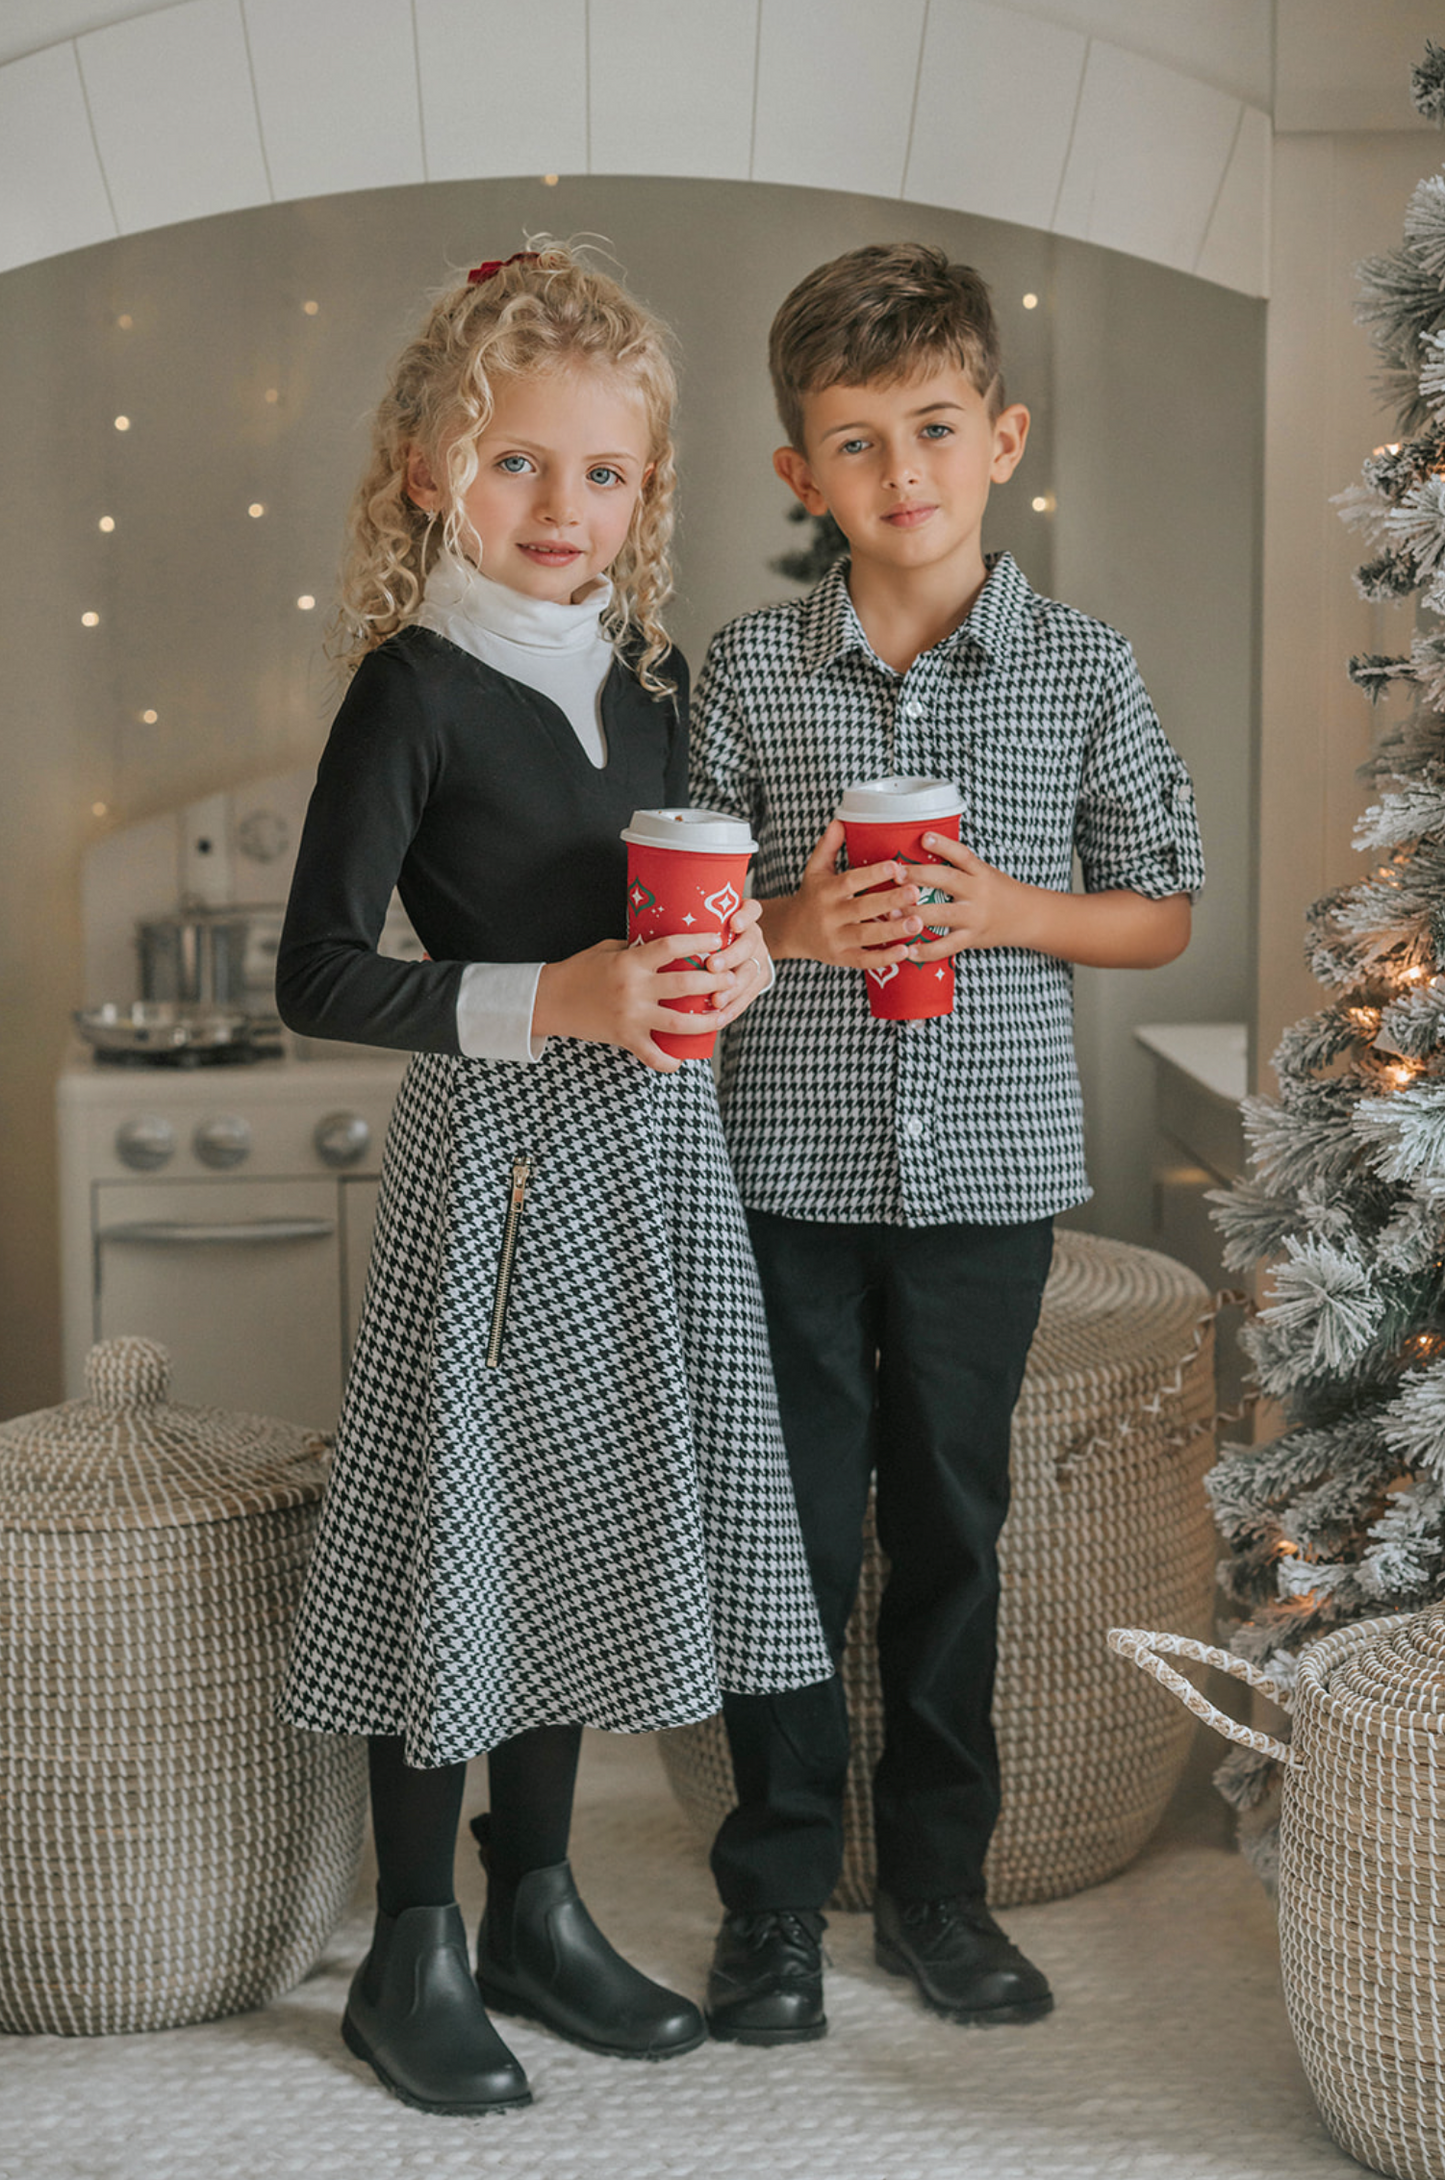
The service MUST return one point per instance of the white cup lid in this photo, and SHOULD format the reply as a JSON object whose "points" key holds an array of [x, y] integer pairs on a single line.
{"points": [[706, 832], [881, 802]]}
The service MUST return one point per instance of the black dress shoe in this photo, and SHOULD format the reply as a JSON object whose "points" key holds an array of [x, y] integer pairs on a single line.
{"points": [[539, 1954], [766, 1985], [964, 1966], [414, 2015]]}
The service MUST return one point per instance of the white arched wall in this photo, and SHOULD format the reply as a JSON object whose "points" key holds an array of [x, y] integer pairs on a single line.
{"points": [[1137, 124]]}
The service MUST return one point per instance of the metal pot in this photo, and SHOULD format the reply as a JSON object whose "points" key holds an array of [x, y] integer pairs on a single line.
{"points": [[197, 956]]}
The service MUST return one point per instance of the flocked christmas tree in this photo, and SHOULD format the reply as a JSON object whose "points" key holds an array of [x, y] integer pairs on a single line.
{"points": [[1343, 1515]]}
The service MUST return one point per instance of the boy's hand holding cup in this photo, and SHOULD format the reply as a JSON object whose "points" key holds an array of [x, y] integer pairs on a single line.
{"points": [[885, 820], [686, 870]]}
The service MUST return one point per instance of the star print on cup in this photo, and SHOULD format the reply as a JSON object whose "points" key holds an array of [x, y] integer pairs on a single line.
{"points": [[686, 870], [885, 821]]}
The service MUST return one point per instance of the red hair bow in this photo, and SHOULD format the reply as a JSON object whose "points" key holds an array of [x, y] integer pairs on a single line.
{"points": [[491, 265]]}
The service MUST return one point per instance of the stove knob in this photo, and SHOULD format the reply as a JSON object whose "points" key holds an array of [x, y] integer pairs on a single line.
{"points": [[342, 1138], [145, 1143], [223, 1140]]}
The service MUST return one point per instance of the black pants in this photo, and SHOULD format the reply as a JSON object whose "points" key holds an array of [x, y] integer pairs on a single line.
{"points": [[899, 1353]]}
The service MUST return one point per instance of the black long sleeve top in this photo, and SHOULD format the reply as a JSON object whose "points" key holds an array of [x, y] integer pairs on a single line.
{"points": [[470, 794]]}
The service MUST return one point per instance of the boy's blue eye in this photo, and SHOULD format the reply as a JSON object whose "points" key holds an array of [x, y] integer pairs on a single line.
{"points": [[515, 465], [852, 446], [938, 431]]}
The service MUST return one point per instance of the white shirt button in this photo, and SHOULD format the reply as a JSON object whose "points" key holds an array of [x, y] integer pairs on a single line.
{"points": [[912, 710], [913, 1127]]}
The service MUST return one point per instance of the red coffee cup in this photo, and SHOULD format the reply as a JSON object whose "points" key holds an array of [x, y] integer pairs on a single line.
{"points": [[685, 872], [885, 822]]}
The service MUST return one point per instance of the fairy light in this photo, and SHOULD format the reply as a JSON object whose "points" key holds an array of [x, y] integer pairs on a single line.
{"points": [[255, 510], [149, 718], [90, 620], [273, 395], [122, 423], [311, 309], [1044, 503], [550, 181], [106, 523], [1402, 1074], [306, 601], [125, 321], [1031, 302], [99, 809]]}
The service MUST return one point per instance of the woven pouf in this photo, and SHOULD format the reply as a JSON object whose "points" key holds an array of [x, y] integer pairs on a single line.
{"points": [[168, 1852], [1111, 1440]]}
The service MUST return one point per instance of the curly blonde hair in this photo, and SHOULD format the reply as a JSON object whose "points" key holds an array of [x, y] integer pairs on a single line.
{"points": [[526, 318]]}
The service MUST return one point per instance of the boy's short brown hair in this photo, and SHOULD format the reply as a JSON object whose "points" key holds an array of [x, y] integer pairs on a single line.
{"points": [[882, 313]]}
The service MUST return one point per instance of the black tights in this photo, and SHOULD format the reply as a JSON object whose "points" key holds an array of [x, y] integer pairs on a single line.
{"points": [[414, 1814]]}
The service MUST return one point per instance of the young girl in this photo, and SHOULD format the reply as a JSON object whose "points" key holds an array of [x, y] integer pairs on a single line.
{"points": [[559, 1496]]}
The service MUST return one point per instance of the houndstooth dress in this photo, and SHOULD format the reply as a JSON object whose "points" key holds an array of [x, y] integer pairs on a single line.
{"points": [[598, 1526]]}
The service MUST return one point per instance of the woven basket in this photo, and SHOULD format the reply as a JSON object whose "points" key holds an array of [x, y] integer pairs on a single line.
{"points": [[1361, 1872], [168, 1852], [1110, 1443]]}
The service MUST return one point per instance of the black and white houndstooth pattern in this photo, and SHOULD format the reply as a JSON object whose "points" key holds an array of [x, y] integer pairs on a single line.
{"points": [[1038, 714], [601, 1529]]}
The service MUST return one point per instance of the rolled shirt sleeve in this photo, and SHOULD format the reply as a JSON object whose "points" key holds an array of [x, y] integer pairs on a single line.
{"points": [[1135, 826]]}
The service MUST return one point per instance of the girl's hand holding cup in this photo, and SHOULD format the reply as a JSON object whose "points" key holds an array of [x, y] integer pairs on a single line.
{"points": [[613, 994]]}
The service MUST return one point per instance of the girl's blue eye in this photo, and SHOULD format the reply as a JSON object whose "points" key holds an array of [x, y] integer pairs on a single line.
{"points": [[515, 465], [604, 474]]}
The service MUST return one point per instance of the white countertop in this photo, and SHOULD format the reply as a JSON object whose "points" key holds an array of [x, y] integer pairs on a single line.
{"points": [[1213, 1053]]}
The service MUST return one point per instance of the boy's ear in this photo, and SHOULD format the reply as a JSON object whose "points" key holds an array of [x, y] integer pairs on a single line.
{"points": [[793, 468], [1010, 435]]}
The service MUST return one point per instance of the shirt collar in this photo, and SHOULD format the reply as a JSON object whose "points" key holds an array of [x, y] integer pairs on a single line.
{"points": [[994, 626], [466, 607]]}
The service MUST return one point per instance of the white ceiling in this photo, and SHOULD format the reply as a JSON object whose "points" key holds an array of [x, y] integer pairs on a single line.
{"points": [[1139, 124]]}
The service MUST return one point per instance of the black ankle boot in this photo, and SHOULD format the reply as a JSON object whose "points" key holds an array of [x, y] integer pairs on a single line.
{"points": [[414, 2015], [539, 1954]]}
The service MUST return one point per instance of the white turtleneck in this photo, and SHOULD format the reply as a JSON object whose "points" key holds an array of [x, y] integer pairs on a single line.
{"points": [[560, 650]]}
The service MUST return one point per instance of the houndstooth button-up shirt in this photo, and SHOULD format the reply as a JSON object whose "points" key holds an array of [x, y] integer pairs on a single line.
{"points": [[1038, 714]]}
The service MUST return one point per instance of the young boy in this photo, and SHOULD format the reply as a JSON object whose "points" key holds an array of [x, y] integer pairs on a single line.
{"points": [[901, 1177]]}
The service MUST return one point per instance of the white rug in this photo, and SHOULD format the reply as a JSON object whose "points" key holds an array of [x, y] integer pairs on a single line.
{"points": [[1168, 2057]]}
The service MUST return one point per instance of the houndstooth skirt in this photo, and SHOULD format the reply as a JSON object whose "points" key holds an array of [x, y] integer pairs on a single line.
{"points": [[560, 1492]]}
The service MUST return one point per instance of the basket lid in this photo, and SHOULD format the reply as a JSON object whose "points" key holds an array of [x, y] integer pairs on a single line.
{"points": [[125, 1457], [1395, 1665]]}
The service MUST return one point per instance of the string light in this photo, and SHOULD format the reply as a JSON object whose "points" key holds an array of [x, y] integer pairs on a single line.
{"points": [[99, 809], [1044, 503], [122, 423], [311, 309], [255, 508], [306, 601], [273, 395], [106, 523], [149, 719], [550, 181], [90, 620], [1031, 302], [125, 321]]}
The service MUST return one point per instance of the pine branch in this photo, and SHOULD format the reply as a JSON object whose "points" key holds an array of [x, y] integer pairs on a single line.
{"points": [[1427, 83]]}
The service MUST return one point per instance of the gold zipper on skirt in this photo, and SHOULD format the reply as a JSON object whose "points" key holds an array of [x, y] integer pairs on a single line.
{"points": [[521, 1175]]}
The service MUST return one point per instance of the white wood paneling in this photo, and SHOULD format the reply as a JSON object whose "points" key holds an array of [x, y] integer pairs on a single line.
{"points": [[175, 114], [835, 93], [52, 192], [671, 87], [504, 87], [1229, 43], [1236, 247], [336, 87], [1148, 156], [977, 145]]}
